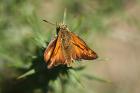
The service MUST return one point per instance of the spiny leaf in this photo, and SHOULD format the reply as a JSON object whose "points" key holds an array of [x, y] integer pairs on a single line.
{"points": [[30, 72], [97, 78]]}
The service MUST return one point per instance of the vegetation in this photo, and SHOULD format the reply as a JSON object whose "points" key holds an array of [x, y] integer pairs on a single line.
{"points": [[24, 36]]}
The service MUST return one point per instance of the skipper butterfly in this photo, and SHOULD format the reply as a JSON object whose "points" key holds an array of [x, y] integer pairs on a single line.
{"points": [[66, 47]]}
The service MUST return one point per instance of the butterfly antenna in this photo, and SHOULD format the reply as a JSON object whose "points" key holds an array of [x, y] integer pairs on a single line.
{"points": [[49, 22], [56, 24], [64, 17]]}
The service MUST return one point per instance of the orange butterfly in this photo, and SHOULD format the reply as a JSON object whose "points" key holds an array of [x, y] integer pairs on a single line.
{"points": [[66, 47]]}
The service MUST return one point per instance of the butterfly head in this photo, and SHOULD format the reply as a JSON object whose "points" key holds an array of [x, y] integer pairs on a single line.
{"points": [[61, 27]]}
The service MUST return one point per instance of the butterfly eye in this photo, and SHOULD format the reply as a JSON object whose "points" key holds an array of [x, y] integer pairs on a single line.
{"points": [[57, 30]]}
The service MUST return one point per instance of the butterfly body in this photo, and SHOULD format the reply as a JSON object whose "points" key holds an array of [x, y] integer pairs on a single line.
{"points": [[63, 33], [67, 47]]}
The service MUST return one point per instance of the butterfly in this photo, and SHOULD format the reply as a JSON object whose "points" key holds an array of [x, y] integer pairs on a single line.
{"points": [[66, 48]]}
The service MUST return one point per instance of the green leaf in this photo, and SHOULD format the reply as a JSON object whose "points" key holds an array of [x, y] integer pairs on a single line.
{"points": [[97, 78], [30, 72]]}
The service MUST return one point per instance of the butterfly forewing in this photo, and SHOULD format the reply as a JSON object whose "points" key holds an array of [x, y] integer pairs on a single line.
{"points": [[54, 53], [50, 49], [80, 49]]}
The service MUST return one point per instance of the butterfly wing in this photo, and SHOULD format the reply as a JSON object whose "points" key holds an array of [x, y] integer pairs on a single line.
{"points": [[54, 53], [80, 49], [49, 50]]}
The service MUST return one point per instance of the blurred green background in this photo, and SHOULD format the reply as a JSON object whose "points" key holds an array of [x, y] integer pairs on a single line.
{"points": [[109, 27]]}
